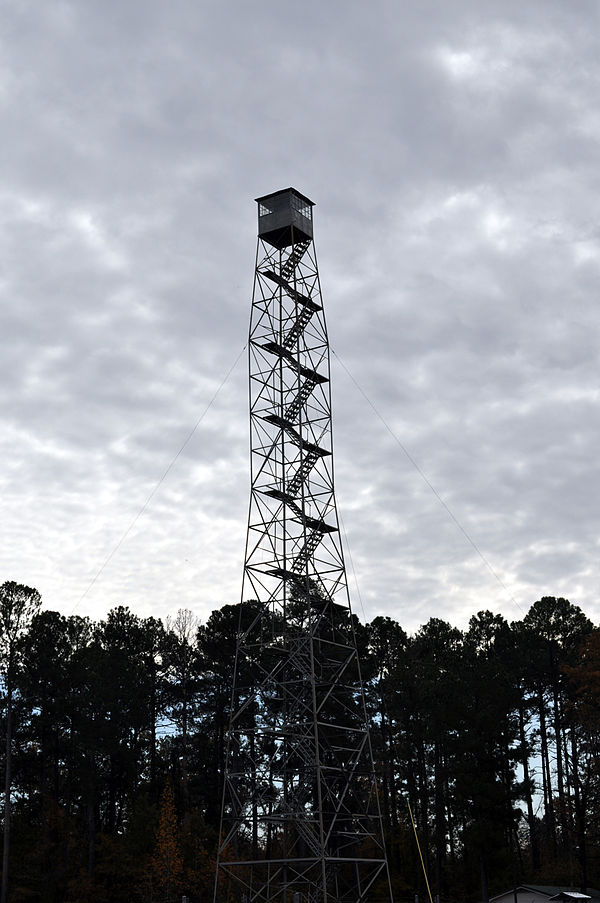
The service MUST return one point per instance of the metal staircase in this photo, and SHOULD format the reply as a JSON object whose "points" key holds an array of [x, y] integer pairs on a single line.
{"points": [[295, 256]]}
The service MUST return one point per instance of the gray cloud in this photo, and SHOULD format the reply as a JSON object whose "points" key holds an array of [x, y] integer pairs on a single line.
{"points": [[452, 152]]}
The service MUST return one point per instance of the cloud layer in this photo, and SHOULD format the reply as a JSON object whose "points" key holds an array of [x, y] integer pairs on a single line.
{"points": [[452, 153]]}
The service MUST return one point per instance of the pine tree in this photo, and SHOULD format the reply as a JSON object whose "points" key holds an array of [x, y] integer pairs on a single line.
{"points": [[18, 605]]}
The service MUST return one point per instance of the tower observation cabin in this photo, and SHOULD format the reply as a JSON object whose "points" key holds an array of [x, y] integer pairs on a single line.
{"points": [[285, 218]]}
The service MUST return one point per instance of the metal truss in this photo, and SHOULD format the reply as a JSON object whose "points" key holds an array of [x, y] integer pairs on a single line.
{"points": [[301, 820]]}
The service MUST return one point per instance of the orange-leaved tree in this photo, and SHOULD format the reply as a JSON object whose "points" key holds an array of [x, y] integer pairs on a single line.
{"points": [[167, 859]]}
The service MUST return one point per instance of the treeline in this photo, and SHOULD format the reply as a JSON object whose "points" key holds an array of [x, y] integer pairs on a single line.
{"points": [[490, 735]]}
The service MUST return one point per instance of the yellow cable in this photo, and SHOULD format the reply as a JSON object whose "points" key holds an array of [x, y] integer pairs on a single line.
{"points": [[420, 854]]}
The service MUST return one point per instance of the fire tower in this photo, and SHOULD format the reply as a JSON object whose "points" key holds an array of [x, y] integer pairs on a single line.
{"points": [[300, 819]]}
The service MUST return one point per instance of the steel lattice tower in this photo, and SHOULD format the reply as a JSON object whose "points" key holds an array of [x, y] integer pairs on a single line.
{"points": [[300, 819]]}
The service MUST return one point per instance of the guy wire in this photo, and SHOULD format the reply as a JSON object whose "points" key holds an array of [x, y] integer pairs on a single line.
{"points": [[157, 486], [428, 482]]}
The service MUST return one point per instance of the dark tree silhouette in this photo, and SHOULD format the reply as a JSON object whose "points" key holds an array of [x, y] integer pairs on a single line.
{"points": [[18, 605]]}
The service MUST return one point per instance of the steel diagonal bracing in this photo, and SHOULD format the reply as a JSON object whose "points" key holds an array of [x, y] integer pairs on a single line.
{"points": [[300, 807]]}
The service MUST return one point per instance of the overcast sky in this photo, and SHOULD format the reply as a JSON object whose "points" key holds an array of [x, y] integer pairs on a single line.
{"points": [[452, 151]]}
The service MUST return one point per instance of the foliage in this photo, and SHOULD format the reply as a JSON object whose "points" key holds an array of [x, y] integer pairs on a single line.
{"points": [[167, 860], [492, 734]]}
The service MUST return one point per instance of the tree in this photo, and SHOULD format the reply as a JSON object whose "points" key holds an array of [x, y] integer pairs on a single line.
{"points": [[387, 643], [18, 605], [216, 642], [181, 660], [127, 708], [43, 685], [583, 714], [167, 860], [488, 753], [556, 628]]}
